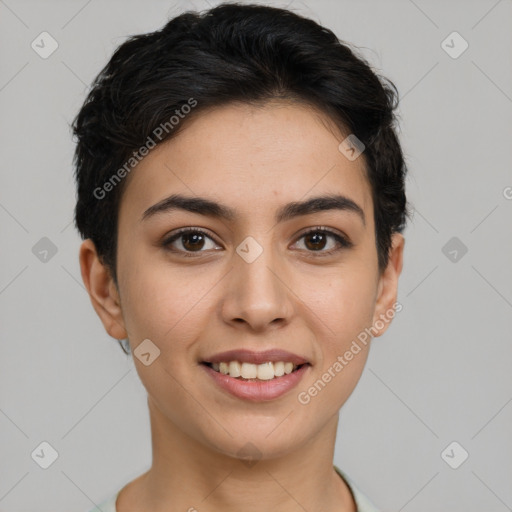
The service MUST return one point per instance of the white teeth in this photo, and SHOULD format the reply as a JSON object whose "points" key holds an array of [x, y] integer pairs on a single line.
{"points": [[288, 368], [235, 369], [279, 368], [265, 371], [249, 371]]}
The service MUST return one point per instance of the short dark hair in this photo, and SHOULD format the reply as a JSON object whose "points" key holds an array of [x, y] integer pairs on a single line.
{"points": [[231, 53]]}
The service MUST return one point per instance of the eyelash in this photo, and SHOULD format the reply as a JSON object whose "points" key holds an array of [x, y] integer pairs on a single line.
{"points": [[343, 243]]}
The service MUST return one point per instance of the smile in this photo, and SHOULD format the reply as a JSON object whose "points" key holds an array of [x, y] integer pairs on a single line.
{"points": [[248, 371], [249, 386]]}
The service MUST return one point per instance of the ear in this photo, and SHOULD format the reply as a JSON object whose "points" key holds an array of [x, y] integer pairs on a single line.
{"points": [[102, 290], [386, 306]]}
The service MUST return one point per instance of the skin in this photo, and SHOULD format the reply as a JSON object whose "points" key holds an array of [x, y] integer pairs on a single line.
{"points": [[254, 160]]}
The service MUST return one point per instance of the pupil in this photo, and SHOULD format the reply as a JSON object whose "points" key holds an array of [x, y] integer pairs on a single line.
{"points": [[195, 237], [319, 238]]}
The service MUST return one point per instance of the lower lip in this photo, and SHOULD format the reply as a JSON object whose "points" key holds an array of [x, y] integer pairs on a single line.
{"points": [[258, 391]]}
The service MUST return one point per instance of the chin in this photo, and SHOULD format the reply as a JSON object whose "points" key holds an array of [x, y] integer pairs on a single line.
{"points": [[256, 444]]}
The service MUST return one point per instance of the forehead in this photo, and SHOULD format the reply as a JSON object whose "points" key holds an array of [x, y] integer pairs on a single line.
{"points": [[249, 156]]}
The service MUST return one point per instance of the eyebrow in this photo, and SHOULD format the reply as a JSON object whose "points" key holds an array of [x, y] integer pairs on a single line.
{"points": [[289, 211]]}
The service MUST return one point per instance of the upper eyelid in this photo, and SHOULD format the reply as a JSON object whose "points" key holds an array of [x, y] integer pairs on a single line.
{"points": [[183, 231], [325, 229]]}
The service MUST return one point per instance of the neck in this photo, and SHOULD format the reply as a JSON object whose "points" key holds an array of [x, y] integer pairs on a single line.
{"points": [[189, 475]]}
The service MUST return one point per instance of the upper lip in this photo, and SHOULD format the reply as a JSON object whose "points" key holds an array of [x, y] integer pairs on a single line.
{"points": [[250, 356]]}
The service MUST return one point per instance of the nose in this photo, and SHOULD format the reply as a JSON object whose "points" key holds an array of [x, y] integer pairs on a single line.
{"points": [[257, 293]]}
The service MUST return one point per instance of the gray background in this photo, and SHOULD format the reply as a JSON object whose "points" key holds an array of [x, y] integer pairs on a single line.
{"points": [[440, 374]]}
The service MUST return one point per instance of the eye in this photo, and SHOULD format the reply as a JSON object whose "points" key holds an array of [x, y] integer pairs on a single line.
{"points": [[188, 241], [316, 240], [191, 240]]}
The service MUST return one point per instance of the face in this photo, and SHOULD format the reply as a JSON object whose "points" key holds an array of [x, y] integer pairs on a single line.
{"points": [[302, 279]]}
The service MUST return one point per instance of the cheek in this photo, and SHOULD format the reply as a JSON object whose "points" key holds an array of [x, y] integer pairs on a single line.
{"points": [[343, 310], [161, 302], [343, 301]]}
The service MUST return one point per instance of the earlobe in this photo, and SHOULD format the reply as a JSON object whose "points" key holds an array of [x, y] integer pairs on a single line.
{"points": [[102, 290], [386, 303]]}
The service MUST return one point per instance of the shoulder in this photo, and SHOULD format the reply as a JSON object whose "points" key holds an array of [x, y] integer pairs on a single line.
{"points": [[108, 505], [362, 501]]}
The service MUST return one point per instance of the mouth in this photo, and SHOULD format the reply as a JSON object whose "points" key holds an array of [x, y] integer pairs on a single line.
{"points": [[261, 382], [257, 376], [250, 372]]}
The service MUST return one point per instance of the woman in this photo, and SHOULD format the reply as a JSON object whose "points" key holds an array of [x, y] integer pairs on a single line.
{"points": [[241, 200]]}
